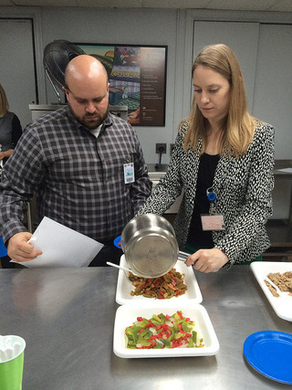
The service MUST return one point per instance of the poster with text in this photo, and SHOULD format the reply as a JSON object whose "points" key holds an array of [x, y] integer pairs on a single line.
{"points": [[137, 77]]}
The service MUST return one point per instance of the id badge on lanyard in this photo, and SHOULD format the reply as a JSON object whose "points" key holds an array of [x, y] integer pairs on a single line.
{"points": [[129, 173], [212, 221]]}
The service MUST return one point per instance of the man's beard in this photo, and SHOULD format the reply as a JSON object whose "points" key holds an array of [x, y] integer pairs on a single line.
{"points": [[85, 119]]}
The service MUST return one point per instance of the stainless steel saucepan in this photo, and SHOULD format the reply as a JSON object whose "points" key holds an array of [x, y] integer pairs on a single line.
{"points": [[150, 246]]}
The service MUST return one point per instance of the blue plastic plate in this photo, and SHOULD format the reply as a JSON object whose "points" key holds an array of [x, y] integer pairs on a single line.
{"points": [[270, 353], [117, 242]]}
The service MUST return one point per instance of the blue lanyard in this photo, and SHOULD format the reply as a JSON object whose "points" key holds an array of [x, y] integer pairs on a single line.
{"points": [[212, 197], [211, 194]]}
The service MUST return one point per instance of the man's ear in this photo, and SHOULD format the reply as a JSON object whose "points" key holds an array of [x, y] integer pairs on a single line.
{"points": [[66, 90]]}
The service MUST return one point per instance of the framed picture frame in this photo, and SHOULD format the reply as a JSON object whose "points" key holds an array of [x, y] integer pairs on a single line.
{"points": [[137, 77]]}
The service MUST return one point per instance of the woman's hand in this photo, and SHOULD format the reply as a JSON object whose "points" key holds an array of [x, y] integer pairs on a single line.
{"points": [[207, 260], [19, 249]]}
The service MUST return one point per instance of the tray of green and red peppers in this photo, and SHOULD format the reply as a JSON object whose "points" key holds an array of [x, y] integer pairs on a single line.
{"points": [[163, 331]]}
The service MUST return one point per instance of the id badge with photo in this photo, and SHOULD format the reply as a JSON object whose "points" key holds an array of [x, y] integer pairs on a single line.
{"points": [[212, 222], [129, 174]]}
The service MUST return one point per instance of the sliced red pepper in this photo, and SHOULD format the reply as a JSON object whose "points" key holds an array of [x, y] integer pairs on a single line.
{"points": [[179, 342], [149, 325], [176, 343], [161, 296], [179, 313]]}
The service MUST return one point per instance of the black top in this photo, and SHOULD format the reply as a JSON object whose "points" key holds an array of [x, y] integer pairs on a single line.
{"points": [[207, 167], [10, 132]]}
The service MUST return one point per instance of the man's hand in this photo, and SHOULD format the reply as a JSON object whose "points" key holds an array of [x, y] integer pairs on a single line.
{"points": [[19, 249]]}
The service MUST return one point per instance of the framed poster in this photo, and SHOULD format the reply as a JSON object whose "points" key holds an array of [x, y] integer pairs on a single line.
{"points": [[137, 77]]}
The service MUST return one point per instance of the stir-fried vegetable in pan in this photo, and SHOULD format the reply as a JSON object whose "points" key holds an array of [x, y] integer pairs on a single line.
{"points": [[165, 287], [163, 331]]}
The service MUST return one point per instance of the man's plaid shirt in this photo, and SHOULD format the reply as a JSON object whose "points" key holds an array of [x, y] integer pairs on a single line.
{"points": [[78, 178]]}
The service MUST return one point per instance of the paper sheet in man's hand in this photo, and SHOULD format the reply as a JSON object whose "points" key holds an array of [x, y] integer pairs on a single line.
{"points": [[61, 246]]}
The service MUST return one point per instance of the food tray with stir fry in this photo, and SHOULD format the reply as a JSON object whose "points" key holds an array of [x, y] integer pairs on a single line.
{"points": [[191, 290], [168, 336], [275, 279]]}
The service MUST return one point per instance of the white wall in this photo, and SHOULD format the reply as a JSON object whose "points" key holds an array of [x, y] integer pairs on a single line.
{"points": [[18, 77]]}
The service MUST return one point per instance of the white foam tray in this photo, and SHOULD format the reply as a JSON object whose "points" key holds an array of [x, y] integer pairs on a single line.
{"points": [[127, 314], [124, 285], [283, 304]]}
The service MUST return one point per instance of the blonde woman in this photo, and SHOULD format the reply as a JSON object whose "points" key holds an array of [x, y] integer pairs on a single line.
{"points": [[223, 161], [10, 128]]}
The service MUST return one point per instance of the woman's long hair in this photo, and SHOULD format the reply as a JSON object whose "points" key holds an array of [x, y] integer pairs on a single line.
{"points": [[239, 126], [4, 106]]}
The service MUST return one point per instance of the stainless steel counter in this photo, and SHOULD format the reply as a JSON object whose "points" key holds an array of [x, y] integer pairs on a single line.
{"points": [[67, 315]]}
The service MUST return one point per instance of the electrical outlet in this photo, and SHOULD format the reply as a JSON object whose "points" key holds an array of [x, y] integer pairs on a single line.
{"points": [[171, 148], [160, 148]]}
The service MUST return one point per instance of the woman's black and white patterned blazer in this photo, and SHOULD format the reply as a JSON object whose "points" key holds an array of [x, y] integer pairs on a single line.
{"points": [[243, 190]]}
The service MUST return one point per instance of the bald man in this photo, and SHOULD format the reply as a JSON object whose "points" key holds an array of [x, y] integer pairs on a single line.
{"points": [[85, 165], [87, 91]]}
